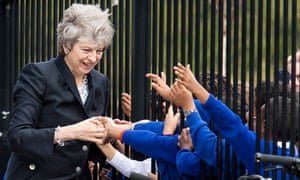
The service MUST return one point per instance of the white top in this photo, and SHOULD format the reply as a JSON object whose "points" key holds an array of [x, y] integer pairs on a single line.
{"points": [[84, 90], [125, 165]]}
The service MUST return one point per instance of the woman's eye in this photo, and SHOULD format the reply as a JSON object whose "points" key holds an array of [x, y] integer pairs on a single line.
{"points": [[99, 51]]}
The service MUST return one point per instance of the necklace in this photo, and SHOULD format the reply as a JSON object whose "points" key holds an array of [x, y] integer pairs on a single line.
{"points": [[83, 89]]}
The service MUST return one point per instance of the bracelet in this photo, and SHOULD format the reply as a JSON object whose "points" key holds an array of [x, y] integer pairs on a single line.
{"points": [[59, 141]]}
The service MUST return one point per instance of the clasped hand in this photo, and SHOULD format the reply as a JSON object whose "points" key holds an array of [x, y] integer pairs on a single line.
{"points": [[99, 129]]}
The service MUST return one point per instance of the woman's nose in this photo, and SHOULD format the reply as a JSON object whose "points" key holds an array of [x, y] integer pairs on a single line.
{"points": [[93, 56]]}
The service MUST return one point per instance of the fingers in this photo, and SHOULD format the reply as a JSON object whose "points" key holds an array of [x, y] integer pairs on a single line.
{"points": [[126, 98], [95, 120], [155, 86], [100, 130], [163, 77], [118, 121], [179, 141], [170, 109], [96, 135], [151, 75], [185, 133], [175, 88], [179, 70], [152, 176], [91, 166], [170, 122], [126, 95], [100, 134], [184, 139], [177, 117], [179, 81], [126, 102], [156, 79]]}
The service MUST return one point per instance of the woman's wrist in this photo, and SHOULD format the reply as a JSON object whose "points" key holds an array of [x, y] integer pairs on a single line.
{"points": [[58, 136], [63, 134]]}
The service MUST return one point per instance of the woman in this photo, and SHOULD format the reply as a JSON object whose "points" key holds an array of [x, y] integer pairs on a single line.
{"points": [[54, 123]]}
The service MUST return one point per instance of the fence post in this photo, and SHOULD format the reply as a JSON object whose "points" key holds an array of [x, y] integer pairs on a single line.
{"points": [[140, 88]]}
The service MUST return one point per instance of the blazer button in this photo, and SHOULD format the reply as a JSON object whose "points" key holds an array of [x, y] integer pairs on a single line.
{"points": [[32, 167], [78, 169], [85, 148]]}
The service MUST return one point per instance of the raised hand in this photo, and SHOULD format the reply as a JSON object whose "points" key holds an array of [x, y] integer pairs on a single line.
{"points": [[182, 96], [171, 121], [186, 76], [126, 104], [160, 85], [185, 140]]}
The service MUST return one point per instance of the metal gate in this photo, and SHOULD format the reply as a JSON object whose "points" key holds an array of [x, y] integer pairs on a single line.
{"points": [[246, 41]]}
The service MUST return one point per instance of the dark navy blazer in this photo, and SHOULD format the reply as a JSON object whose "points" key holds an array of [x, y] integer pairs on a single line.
{"points": [[46, 96]]}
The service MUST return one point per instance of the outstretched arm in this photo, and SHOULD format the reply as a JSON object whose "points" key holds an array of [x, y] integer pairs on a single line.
{"points": [[151, 144], [122, 163], [188, 79], [225, 121], [204, 141]]}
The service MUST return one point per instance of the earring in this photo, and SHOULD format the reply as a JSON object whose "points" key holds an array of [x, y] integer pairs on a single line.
{"points": [[66, 52]]}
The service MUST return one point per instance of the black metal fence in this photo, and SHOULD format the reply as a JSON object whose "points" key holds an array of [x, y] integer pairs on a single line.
{"points": [[246, 41]]}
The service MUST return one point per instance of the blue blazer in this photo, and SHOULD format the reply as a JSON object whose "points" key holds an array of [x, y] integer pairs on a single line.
{"points": [[44, 97]]}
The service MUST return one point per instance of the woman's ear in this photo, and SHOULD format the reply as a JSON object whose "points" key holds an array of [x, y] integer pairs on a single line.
{"points": [[66, 50]]}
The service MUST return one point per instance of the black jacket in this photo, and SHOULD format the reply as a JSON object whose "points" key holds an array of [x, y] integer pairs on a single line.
{"points": [[46, 96]]}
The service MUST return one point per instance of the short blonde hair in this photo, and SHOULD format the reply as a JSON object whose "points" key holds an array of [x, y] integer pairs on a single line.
{"points": [[84, 22]]}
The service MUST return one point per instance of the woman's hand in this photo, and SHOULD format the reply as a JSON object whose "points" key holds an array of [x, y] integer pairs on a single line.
{"points": [[91, 130]]}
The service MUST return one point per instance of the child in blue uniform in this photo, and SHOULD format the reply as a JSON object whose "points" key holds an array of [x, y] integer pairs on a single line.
{"points": [[242, 140]]}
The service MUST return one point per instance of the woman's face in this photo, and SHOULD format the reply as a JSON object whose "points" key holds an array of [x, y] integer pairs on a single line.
{"points": [[83, 57]]}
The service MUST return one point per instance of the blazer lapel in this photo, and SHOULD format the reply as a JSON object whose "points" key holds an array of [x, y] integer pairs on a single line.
{"points": [[91, 97], [67, 75]]}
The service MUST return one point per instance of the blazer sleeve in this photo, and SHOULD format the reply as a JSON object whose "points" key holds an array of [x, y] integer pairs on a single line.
{"points": [[28, 99]]}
